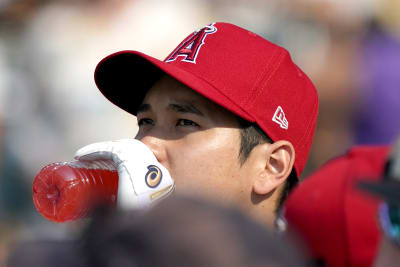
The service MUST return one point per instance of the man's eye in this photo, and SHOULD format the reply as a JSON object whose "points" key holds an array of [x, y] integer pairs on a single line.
{"points": [[145, 121], [184, 122]]}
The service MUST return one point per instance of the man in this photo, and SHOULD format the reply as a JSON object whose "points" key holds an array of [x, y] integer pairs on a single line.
{"points": [[228, 114], [388, 189]]}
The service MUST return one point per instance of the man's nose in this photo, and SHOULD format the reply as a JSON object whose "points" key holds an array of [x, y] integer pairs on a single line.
{"points": [[158, 146]]}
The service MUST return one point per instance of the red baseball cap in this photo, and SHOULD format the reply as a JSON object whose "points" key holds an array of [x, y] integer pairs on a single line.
{"points": [[233, 67], [336, 221], [388, 188]]}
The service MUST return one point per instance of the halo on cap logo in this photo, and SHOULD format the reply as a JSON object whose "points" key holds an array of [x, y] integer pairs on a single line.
{"points": [[153, 176]]}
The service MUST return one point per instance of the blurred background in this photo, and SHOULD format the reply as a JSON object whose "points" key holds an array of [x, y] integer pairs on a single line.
{"points": [[50, 106]]}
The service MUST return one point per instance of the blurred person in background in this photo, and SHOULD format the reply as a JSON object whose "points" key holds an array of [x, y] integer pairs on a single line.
{"points": [[331, 218], [44, 253], [181, 231], [185, 231], [388, 190]]}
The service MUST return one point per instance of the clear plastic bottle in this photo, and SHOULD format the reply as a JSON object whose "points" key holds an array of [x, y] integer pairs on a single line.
{"points": [[67, 191]]}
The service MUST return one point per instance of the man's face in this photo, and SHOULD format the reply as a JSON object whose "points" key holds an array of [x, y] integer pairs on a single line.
{"points": [[196, 140]]}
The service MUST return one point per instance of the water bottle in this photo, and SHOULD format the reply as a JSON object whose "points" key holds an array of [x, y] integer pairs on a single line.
{"points": [[67, 191]]}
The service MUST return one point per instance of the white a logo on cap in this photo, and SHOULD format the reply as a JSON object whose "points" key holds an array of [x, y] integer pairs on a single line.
{"points": [[280, 118], [190, 47]]}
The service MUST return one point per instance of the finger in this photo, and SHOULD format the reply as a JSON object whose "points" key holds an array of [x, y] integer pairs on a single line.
{"points": [[95, 151], [127, 197], [119, 150]]}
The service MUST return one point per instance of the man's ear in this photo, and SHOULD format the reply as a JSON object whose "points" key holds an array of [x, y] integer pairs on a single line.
{"points": [[278, 159]]}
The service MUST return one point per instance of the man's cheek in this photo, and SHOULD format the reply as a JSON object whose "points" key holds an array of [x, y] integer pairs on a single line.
{"points": [[190, 172]]}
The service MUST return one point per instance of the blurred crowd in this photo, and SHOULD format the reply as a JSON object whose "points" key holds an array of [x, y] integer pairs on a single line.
{"points": [[50, 106]]}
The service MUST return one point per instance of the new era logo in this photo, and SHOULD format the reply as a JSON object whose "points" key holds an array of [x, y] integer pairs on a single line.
{"points": [[280, 118]]}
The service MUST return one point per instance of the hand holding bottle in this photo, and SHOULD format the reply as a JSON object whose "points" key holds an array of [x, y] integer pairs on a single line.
{"points": [[125, 172], [142, 179]]}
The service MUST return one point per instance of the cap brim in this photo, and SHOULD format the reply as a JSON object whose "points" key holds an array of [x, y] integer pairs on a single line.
{"points": [[125, 77], [387, 190]]}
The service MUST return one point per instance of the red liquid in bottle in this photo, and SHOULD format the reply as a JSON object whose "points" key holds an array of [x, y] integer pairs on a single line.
{"points": [[69, 191]]}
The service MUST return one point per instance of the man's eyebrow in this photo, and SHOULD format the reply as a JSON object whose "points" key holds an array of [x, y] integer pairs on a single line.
{"points": [[185, 108], [143, 108]]}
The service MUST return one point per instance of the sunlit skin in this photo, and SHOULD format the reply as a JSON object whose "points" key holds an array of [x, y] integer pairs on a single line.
{"points": [[199, 141]]}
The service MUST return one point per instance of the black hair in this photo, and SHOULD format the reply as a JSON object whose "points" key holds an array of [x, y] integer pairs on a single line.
{"points": [[252, 135]]}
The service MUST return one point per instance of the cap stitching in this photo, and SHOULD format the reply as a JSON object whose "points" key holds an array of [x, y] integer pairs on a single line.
{"points": [[254, 92]]}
